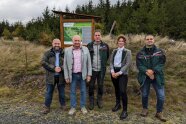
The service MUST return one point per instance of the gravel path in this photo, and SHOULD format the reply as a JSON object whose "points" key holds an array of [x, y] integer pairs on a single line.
{"points": [[30, 114]]}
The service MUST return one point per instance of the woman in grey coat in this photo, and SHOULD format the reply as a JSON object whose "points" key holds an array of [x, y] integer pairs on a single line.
{"points": [[119, 65]]}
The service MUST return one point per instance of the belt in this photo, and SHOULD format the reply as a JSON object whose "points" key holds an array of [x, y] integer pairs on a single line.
{"points": [[117, 67], [77, 73]]}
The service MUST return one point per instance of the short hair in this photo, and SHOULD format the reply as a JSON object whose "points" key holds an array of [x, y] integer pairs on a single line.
{"points": [[123, 37], [56, 39], [148, 35], [76, 36], [97, 30]]}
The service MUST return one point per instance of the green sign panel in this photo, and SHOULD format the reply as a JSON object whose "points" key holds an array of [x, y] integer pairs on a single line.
{"points": [[77, 28]]}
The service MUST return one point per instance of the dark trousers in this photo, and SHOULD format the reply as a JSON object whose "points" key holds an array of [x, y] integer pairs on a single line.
{"points": [[120, 85], [96, 75], [50, 91]]}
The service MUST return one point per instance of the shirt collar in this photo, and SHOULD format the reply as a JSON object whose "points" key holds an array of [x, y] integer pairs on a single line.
{"points": [[76, 49], [120, 49], [97, 42]]}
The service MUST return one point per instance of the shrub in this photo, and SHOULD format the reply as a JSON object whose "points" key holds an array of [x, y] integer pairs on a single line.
{"points": [[7, 34], [45, 38]]}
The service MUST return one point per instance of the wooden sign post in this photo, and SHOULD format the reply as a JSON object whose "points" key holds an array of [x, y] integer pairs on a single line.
{"points": [[76, 24]]}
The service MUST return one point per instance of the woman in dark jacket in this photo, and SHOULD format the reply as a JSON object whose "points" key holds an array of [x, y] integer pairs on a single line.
{"points": [[119, 65]]}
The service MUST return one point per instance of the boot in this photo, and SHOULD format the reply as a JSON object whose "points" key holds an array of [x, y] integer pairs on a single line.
{"points": [[100, 102], [91, 106], [63, 107], [123, 115], [91, 103], [159, 116], [116, 107], [144, 112], [46, 110]]}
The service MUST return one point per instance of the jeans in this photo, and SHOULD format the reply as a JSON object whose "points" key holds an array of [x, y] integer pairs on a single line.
{"points": [[50, 90], [77, 78], [160, 94]]}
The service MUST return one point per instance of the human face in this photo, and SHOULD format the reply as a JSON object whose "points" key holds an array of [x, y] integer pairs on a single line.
{"points": [[97, 36], [149, 40], [76, 41], [121, 42], [56, 44]]}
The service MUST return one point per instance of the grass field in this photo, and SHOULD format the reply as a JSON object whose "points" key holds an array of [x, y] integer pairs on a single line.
{"points": [[22, 82]]}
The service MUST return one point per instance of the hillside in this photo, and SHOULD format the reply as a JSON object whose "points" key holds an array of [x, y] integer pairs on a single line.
{"points": [[22, 86]]}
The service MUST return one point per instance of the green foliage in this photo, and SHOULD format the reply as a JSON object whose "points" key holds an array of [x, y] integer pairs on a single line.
{"points": [[7, 34], [142, 16], [162, 17], [19, 30], [43, 29], [3, 25], [46, 38], [99, 26]]}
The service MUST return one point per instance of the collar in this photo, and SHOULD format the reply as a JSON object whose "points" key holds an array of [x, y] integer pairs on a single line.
{"points": [[53, 51], [97, 43], [121, 49], [75, 48]]}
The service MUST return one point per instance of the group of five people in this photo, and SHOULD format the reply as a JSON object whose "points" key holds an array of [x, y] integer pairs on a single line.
{"points": [[79, 64]]}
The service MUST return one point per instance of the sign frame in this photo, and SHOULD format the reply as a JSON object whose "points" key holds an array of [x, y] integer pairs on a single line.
{"points": [[62, 21]]}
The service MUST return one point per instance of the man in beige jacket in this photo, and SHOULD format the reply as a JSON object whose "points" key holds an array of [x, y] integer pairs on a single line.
{"points": [[77, 69]]}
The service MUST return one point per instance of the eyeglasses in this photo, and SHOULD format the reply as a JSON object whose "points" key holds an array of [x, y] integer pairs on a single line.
{"points": [[150, 39]]}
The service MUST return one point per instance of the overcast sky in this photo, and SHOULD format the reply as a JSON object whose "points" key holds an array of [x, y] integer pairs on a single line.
{"points": [[25, 10]]}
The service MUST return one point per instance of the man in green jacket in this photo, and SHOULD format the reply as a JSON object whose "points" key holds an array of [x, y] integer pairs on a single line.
{"points": [[150, 62], [99, 53], [52, 62]]}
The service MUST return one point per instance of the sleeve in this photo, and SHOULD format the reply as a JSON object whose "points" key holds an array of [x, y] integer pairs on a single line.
{"points": [[111, 62], [108, 52], [128, 62], [65, 66], [89, 65], [62, 57], [159, 67], [45, 63], [142, 68]]}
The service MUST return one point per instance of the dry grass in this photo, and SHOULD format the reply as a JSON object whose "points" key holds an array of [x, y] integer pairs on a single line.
{"points": [[30, 83], [7, 92], [19, 57], [175, 68]]}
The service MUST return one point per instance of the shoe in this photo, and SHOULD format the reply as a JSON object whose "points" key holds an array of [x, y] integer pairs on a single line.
{"points": [[100, 103], [123, 115], [46, 110], [116, 107], [91, 106], [159, 116], [83, 110], [72, 111], [63, 107], [144, 112]]}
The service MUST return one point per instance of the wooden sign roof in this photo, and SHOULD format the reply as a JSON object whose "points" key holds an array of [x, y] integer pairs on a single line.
{"points": [[74, 15]]}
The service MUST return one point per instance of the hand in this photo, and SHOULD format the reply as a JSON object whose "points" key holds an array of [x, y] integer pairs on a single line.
{"points": [[117, 74], [67, 81], [57, 69], [149, 71], [88, 78], [151, 77], [113, 75]]}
